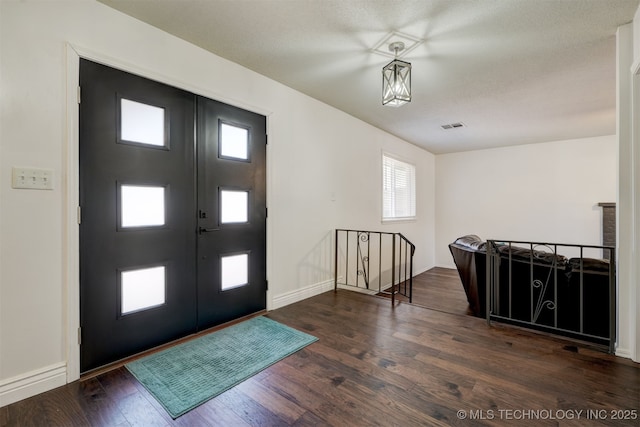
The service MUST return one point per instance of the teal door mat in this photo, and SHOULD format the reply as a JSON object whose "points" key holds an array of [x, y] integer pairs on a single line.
{"points": [[187, 375]]}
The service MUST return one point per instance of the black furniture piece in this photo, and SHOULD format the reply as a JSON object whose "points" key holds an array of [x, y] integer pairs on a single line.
{"points": [[469, 255], [532, 285]]}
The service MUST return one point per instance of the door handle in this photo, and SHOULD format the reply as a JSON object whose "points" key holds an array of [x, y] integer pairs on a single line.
{"points": [[206, 230]]}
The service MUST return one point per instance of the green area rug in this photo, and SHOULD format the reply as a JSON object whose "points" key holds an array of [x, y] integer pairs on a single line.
{"points": [[189, 374]]}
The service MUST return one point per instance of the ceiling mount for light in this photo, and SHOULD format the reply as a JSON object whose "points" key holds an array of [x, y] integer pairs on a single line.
{"points": [[396, 79], [396, 47], [449, 126]]}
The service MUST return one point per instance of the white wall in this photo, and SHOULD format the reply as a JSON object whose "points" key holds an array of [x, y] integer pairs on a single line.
{"points": [[338, 186], [636, 35], [323, 173], [625, 208], [634, 178], [540, 192]]}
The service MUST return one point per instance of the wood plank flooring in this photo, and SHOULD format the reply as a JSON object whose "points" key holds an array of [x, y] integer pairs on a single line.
{"points": [[439, 289], [378, 365]]}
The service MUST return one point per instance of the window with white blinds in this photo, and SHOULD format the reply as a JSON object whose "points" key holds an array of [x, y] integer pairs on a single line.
{"points": [[398, 189]]}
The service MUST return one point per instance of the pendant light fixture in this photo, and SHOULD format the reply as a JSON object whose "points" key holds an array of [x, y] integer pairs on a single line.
{"points": [[396, 79]]}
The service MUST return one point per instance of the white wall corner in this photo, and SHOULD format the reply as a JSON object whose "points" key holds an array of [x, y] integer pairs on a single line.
{"points": [[628, 127], [634, 285], [626, 330], [635, 254], [624, 202], [32, 383], [421, 270], [636, 34]]}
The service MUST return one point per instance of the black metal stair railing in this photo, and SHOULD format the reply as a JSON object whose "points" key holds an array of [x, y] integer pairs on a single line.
{"points": [[560, 288], [374, 262]]}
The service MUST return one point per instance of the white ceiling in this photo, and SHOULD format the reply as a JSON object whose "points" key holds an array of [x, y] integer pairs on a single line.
{"points": [[513, 71]]}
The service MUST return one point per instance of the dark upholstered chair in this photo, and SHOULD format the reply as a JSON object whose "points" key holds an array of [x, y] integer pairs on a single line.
{"points": [[469, 255]]}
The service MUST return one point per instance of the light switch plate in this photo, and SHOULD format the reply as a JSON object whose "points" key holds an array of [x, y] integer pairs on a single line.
{"points": [[32, 178]]}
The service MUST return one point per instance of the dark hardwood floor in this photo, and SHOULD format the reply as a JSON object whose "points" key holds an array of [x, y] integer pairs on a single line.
{"points": [[375, 364], [439, 289]]}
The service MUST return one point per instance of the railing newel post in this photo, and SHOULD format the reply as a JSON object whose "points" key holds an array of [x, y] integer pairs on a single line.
{"points": [[612, 301], [393, 270], [379, 262], [335, 263]]}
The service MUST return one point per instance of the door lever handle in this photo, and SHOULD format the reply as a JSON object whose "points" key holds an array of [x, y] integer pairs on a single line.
{"points": [[206, 230]]}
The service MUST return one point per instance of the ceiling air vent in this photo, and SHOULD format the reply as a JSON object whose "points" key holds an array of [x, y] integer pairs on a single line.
{"points": [[453, 126]]}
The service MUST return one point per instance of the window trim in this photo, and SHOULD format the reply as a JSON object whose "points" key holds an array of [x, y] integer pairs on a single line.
{"points": [[397, 158]]}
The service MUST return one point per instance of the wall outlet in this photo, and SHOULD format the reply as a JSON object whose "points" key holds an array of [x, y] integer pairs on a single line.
{"points": [[31, 178]]}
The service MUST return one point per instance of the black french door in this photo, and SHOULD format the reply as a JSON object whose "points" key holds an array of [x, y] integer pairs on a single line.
{"points": [[173, 202], [231, 211]]}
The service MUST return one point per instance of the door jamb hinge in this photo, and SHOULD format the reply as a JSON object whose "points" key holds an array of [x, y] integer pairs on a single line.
{"points": [[79, 335], [79, 93], [267, 283], [79, 213]]}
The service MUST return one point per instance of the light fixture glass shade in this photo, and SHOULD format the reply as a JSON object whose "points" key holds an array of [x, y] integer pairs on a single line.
{"points": [[396, 83]]}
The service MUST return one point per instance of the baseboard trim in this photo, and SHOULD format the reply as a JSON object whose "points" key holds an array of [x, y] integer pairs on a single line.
{"points": [[384, 287], [360, 290], [418, 271], [35, 382], [624, 352], [303, 293]]}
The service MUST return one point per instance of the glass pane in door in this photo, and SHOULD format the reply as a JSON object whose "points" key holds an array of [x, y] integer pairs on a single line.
{"points": [[142, 123], [141, 206], [234, 142], [142, 289], [235, 271], [234, 206]]}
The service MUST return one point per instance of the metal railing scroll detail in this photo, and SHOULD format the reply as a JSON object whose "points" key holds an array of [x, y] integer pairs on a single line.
{"points": [[374, 262], [558, 288]]}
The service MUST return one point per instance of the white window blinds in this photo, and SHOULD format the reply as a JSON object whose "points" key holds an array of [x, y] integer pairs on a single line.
{"points": [[398, 189]]}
